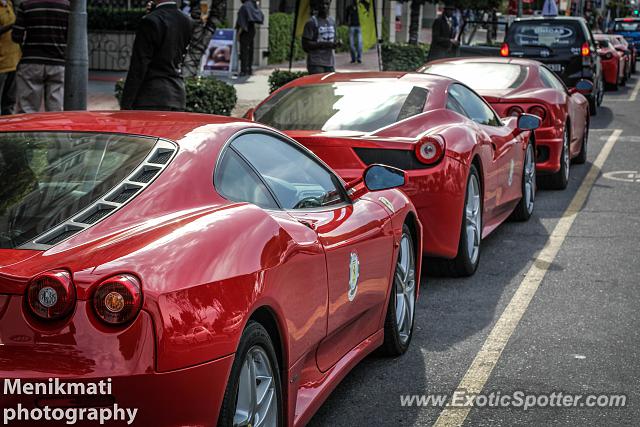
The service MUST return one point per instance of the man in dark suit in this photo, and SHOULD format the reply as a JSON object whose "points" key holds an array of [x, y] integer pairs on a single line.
{"points": [[154, 81], [443, 45]]}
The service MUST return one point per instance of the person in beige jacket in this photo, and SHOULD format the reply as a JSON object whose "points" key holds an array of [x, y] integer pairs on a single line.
{"points": [[9, 57]]}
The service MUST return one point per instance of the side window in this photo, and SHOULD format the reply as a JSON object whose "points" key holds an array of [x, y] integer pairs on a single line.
{"points": [[550, 80], [235, 180], [453, 105], [296, 178], [475, 107]]}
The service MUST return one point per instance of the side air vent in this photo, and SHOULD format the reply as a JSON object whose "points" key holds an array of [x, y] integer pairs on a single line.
{"points": [[60, 234], [162, 156], [124, 192], [95, 214], [146, 174]]}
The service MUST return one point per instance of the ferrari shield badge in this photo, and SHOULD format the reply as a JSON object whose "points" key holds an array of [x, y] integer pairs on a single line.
{"points": [[387, 203], [512, 168], [354, 274]]}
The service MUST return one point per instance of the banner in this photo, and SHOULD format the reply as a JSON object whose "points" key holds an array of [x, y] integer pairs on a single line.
{"points": [[304, 13], [366, 12], [221, 56]]}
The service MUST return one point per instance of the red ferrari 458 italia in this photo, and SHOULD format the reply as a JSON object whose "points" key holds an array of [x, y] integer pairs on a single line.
{"points": [[468, 169], [198, 269], [514, 86], [613, 62]]}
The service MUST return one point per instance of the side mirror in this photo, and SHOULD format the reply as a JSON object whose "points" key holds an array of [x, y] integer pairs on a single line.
{"points": [[375, 178], [382, 177], [528, 122], [249, 114], [583, 86]]}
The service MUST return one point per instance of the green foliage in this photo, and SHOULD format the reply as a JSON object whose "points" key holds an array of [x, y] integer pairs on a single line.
{"points": [[280, 29], [343, 36], [204, 95], [279, 78], [113, 19], [403, 57]]}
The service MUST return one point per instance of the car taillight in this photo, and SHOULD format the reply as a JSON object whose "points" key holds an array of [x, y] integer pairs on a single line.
{"points": [[586, 49], [514, 111], [51, 295], [430, 149], [538, 111], [118, 299], [504, 49]]}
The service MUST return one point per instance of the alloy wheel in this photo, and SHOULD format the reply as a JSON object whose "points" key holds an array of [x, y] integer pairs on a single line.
{"points": [[529, 179], [566, 158], [473, 219], [405, 288], [257, 400]]}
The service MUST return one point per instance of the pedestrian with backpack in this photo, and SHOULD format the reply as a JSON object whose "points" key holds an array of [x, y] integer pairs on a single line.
{"points": [[249, 15]]}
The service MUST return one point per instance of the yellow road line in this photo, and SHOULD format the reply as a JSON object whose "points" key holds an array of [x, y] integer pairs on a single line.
{"points": [[476, 377]]}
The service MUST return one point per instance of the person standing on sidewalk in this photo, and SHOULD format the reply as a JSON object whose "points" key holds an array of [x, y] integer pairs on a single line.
{"points": [[319, 40], [9, 57], [443, 43], [41, 30], [355, 32], [249, 15], [154, 80]]}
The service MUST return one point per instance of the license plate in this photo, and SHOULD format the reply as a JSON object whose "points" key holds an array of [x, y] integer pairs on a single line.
{"points": [[558, 68]]}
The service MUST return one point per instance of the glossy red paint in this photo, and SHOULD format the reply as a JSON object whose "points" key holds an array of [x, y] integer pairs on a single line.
{"points": [[563, 108], [206, 266], [612, 60], [438, 192]]}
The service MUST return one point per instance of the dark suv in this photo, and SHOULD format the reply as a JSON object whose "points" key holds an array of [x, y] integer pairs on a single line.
{"points": [[563, 44]]}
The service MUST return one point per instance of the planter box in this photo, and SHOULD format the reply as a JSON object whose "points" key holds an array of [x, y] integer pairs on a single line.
{"points": [[110, 50]]}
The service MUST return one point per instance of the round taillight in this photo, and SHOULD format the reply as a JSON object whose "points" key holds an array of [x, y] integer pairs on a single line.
{"points": [[51, 295], [430, 149], [538, 111], [514, 111], [118, 299], [504, 49], [585, 50]]}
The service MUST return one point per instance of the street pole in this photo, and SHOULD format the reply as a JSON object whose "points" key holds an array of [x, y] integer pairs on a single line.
{"points": [[76, 73], [519, 8]]}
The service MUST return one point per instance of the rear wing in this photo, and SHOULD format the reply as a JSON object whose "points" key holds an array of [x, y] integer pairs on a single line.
{"points": [[482, 38]]}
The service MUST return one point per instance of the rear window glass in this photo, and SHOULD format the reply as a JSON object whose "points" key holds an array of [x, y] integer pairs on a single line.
{"points": [[47, 177], [363, 106], [627, 26], [603, 42], [545, 34], [476, 74]]}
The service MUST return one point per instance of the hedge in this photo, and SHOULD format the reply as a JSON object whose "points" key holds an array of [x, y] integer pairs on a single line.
{"points": [[113, 19], [403, 57], [204, 95], [279, 78], [280, 28]]}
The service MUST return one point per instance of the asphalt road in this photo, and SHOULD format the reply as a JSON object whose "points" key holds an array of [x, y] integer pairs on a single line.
{"points": [[580, 333]]}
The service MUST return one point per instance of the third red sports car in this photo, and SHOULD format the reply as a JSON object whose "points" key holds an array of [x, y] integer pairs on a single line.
{"points": [[514, 86], [468, 169], [613, 62]]}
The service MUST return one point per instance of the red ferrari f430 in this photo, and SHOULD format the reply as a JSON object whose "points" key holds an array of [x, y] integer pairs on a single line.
{"points": [[469, 170], [204, 270]]}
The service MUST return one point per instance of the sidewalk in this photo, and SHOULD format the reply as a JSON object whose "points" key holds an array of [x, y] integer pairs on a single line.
{"points": [[251, 90]]}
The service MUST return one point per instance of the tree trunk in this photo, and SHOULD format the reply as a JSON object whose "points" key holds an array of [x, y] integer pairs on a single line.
{"points": [[414, 21]]}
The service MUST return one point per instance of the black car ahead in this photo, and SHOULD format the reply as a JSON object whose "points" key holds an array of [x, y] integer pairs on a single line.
{"points": [[564, 44]]}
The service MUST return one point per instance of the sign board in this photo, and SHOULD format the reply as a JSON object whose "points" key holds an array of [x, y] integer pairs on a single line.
{"points": [[221, 56]]}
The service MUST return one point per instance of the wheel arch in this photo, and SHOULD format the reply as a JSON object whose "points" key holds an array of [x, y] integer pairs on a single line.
{"points": [[412, 222], [265, 316]]}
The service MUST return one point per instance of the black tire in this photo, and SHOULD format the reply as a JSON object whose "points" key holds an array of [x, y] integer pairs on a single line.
{"points": [[593, 104], [560, 179], [394, 344], [523, 211], [461, 265], [581, 158], [254, 335]]}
